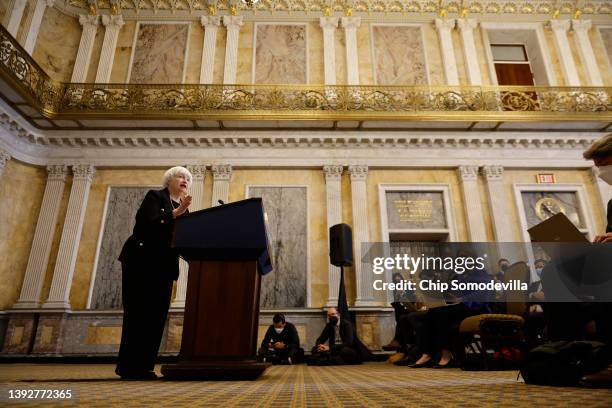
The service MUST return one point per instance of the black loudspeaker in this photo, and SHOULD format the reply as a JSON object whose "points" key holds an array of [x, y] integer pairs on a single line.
{"points": [[341, 245]]}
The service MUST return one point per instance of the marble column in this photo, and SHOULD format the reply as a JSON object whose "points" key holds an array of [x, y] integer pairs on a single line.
{"points": [[233, 24], [472, 67], [444, 27], [585, 48], [222, 173], [329, 25], [498, 203], [604, 189], [350, 25], [197, 192], [361, 234], [568, 65], [211, 26], [14, 17], [468, 176], [113, 24], [88, 35], [37, 16], [43, 238], [333, 192], [71, 237], [4, 157]]}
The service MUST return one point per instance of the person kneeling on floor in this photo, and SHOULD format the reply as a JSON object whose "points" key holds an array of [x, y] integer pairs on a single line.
{"points": [[281, 344]]}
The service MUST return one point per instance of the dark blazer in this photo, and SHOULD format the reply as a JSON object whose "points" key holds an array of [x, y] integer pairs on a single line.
{"points": [[289, 336], [150, 243], [609, 227], [348, 337]]}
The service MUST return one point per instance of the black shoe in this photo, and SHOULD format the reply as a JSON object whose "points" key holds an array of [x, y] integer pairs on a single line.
{"points": [[451, 363], [408, 361], [142, 375], [427, 364]]}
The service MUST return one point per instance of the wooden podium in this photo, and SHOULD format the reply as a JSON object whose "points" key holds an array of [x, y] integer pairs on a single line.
{"points": [[228, 251]]}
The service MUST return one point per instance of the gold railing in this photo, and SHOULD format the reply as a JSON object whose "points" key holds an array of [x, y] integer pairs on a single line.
{"points": [[290, 102]]}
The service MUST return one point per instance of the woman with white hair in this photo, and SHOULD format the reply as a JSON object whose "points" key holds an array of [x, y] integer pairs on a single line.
{"points": [[149, 267]]}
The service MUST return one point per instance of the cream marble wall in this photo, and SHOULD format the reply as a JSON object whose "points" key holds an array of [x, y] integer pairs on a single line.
{"points": [[57, 44], [21, 191], [28, 11], [366, 76], [160, 54], [315, 54], [4, 11], [399, 56], [434, 56], [244, 73], [460, 58], [315, 181], [482, 57], [340, 47], [119, 72], [194, 54], [280, 54], [582, 74], [512, 177]]}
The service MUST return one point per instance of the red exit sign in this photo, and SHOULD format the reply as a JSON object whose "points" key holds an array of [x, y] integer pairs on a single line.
{"points": [[546, 178]]}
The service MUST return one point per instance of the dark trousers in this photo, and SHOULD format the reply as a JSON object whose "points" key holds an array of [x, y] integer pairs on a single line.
{"points": [[146, 298], [566, 321], [438, 326], [409, 327], [339, 355]]}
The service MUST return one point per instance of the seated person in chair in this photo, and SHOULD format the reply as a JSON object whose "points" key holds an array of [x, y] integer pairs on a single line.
{"points": [[281, 344], [342, 346]]}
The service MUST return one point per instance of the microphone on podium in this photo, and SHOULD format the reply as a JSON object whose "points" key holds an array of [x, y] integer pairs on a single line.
{"points": [[221, 202]]}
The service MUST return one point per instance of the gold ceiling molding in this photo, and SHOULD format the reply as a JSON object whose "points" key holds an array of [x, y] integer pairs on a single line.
{"points": [[55, 100], [440, 7]]}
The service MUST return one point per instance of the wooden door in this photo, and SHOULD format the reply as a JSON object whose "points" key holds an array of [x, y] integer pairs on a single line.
{"points": [[509, 74]]}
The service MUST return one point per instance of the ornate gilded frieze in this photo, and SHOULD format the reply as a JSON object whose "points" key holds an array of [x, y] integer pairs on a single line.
{"points": [[197, 7]]}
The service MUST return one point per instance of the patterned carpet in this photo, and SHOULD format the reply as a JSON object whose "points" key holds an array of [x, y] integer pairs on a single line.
{"points": [[369, 385]]}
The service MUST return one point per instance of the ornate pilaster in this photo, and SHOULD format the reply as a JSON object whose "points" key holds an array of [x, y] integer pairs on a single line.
{"points": [[71, 237], [466, 28], [444, 27], [585, 48], [333, 192], [468, 175], [361, 234], [350, 25], [498, 203], [329, 25], [211, 26], [43, 238], [88, 35], [197, 192], [233, 24], [113, 24], [14, 17], [559, 29], [4, 157], [222, 174]]}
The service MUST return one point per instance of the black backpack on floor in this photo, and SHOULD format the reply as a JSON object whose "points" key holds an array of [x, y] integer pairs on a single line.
{"points": [[562, 363]]}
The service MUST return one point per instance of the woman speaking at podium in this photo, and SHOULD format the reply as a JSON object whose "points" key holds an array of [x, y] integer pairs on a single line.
{"points": [[149, 267]]}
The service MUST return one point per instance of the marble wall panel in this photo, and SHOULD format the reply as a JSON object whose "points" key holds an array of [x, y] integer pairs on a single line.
{"points": [[399, 55], [433, 52], [315, 54], [26, 19], [159, 57], [287, 221], [604, 61], [4, 12], [194, 54], [244, 71], [123, 203], [280, 54], [57, 44], [364, 52]]}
